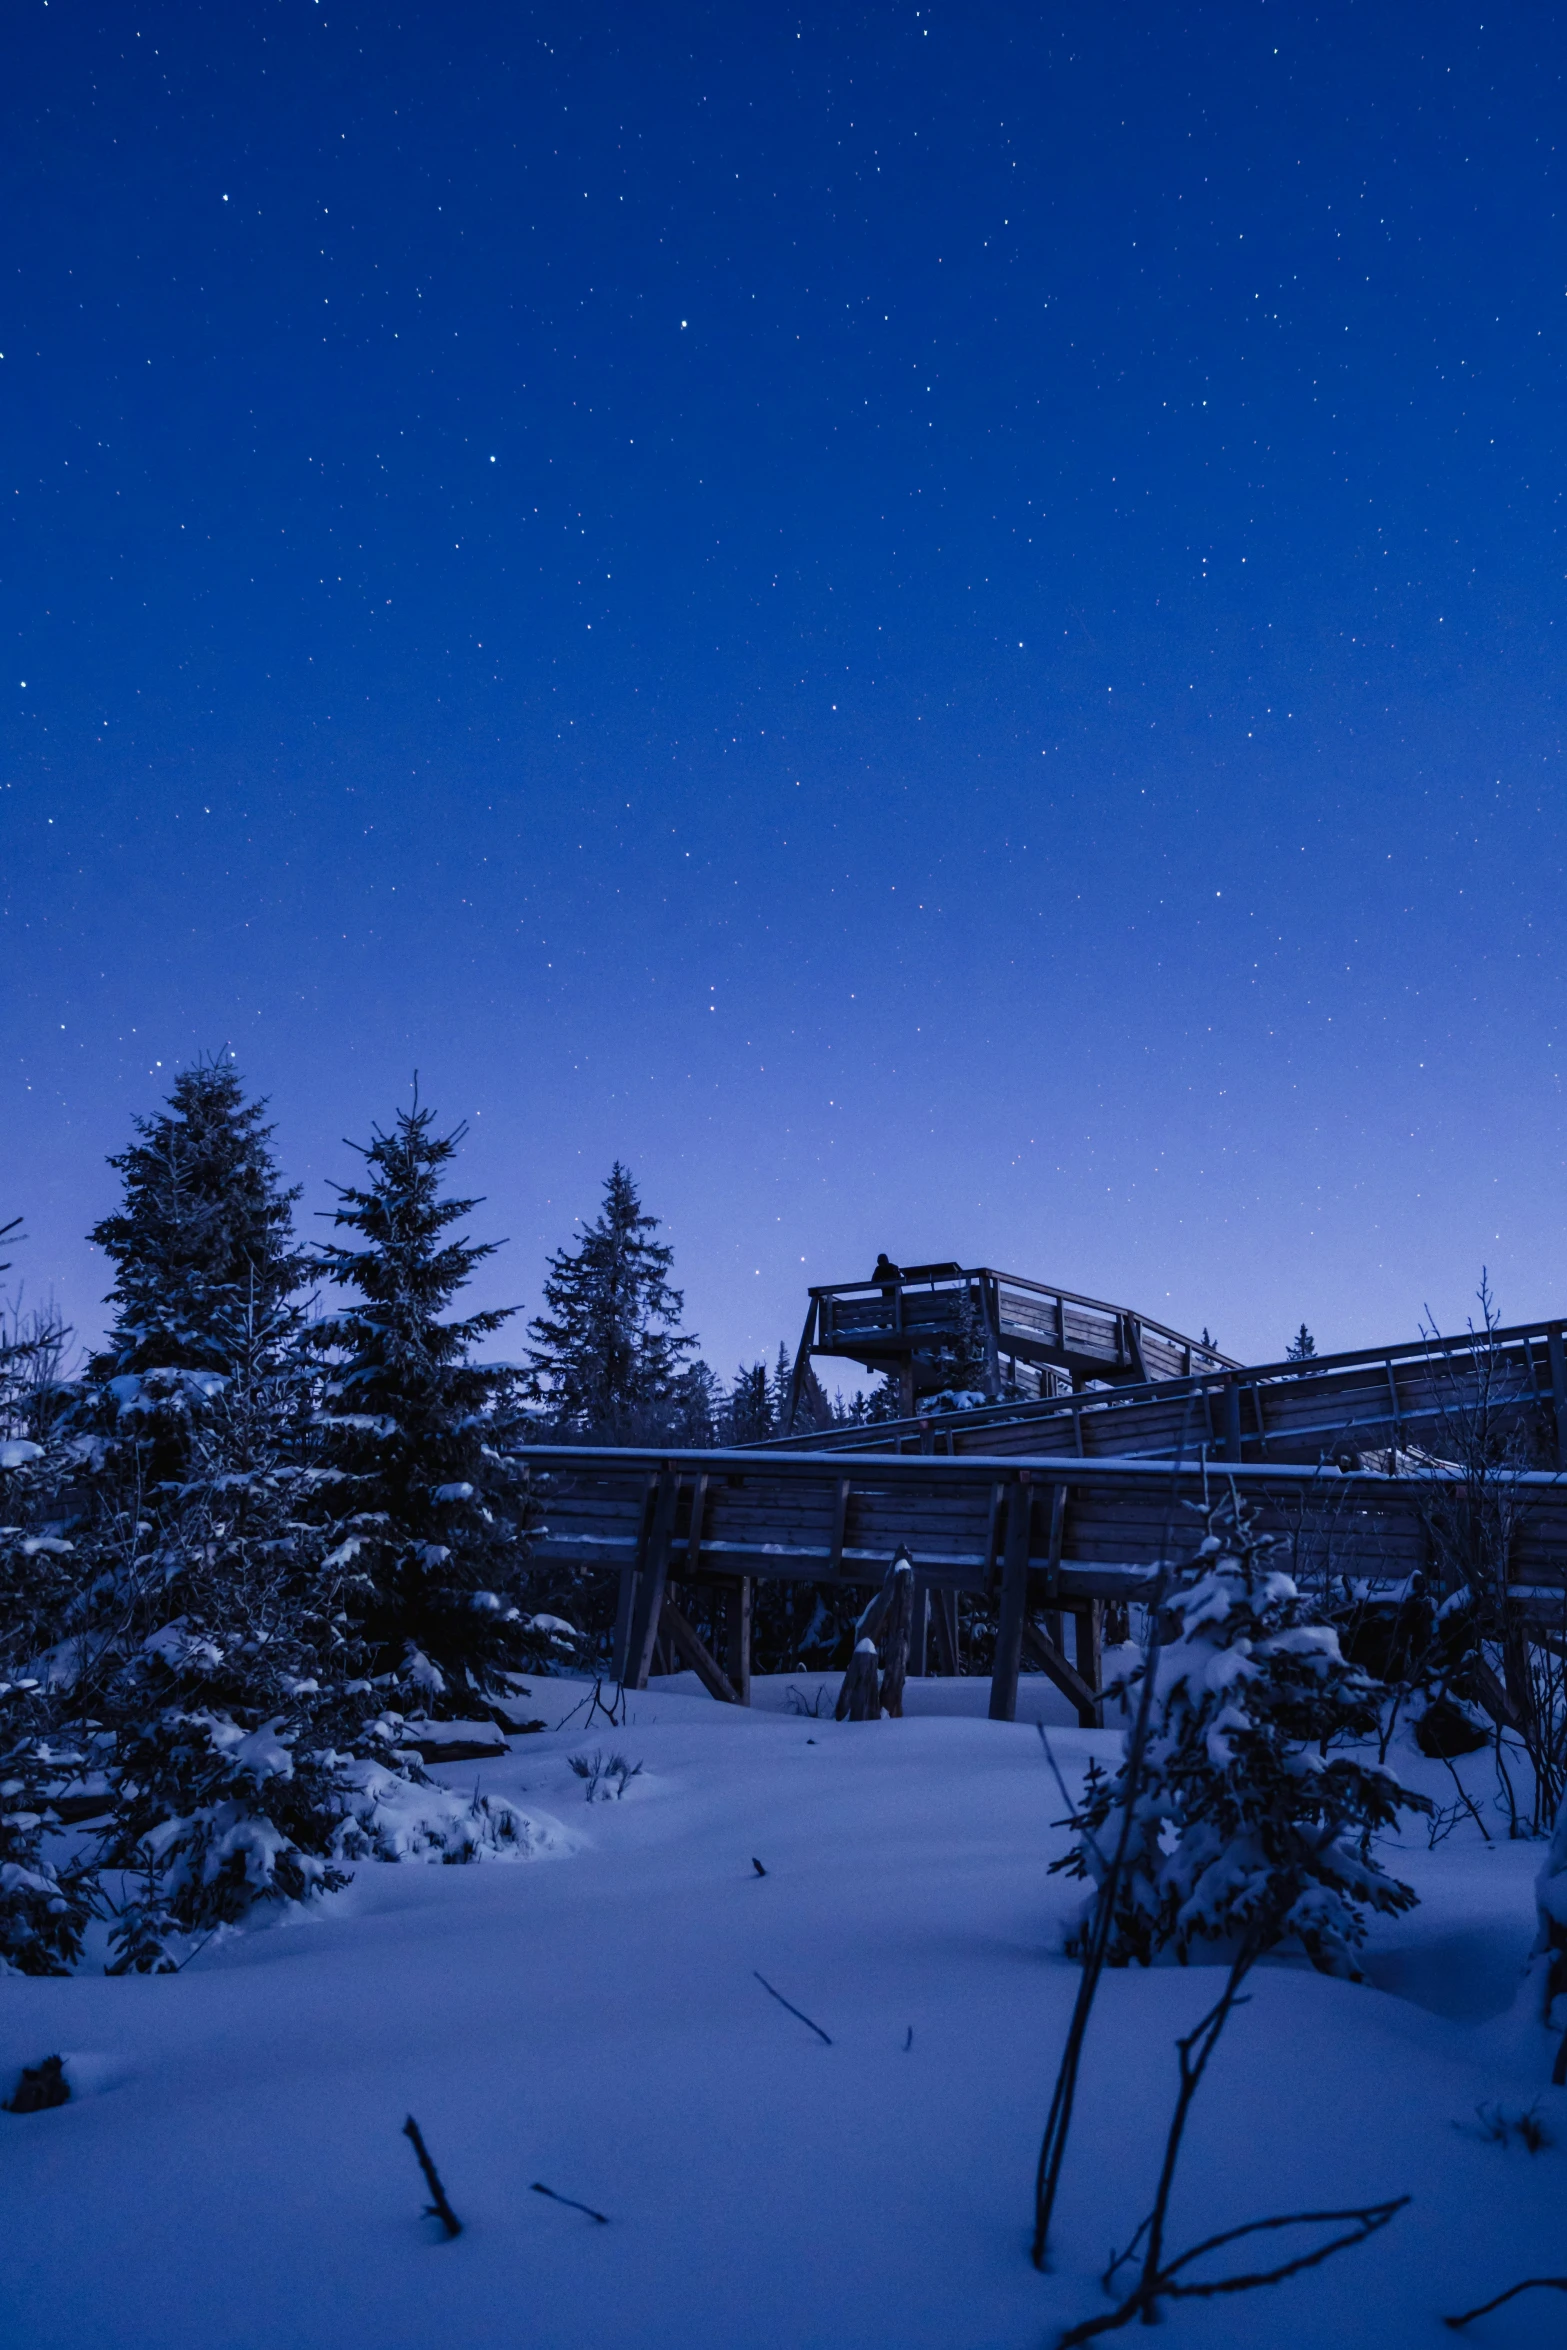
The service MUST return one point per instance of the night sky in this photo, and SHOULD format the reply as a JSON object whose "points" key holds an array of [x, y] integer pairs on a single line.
{"points": [[941, 627]]}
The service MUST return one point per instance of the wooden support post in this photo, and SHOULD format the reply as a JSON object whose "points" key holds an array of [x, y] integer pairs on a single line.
{"points": [[737, 1637], [802, 1357], [1232, 1420], [906, 1387], [840, 1524], [1048, 1656], [683, 1637], [1014, 1602], [919, 1629], [694, 1533], [990, 1311], [895, 1634], [1398, 1417], [651, 1581], [1090, 1656], [944, 1625], [1558, 1355], [625, 1608], [1057, 1538]]}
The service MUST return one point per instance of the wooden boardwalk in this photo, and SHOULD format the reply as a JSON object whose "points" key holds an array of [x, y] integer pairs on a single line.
{"points": [[1336, 1408], [1038, 1338], [1043, 1536]]}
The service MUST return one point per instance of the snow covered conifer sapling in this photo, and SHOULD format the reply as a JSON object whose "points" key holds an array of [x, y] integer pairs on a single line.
{"points": [[1248, 1827], [428, 1511]]}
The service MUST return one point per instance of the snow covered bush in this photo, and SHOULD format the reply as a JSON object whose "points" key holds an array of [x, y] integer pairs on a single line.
{"points": [[43, 1910], [1246, 1825]]}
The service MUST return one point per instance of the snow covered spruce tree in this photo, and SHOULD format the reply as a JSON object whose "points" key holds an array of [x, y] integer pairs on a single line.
{"points": [[1246, 1827], [608, 1350], [203, 1249], [231, 1703], [428, 1513], [197, 1663]]}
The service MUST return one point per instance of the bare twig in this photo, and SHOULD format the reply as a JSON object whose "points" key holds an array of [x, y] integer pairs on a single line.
{"points": [[437, 2207], [1058, 2122], [1529, 2285], [570, 2202], [1365, 2219], [793, 2010], [1159, 2279]]}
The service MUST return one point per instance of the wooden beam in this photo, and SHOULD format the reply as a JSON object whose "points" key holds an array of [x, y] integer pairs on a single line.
{"points": [[1048, 1657], [919, 1629], [687, 1642], [1558, 1355], [840, 1524], [625, 1606], [1014, 1602], [944, 1625], [802, 1357], [650, 1582], [694, 1535], [737, 1629], [1090, 1657]]}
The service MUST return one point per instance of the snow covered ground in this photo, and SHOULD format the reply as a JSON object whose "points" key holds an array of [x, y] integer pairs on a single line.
{"points": [[231, 2170]]}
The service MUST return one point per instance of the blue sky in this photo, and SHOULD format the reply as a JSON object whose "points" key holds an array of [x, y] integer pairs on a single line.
{"points": [[938, 627]]}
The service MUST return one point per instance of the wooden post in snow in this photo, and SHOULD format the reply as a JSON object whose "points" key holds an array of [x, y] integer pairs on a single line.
{"points": [[859, 1700], [737, 1643], [896, 1627], [1014, 1602]]}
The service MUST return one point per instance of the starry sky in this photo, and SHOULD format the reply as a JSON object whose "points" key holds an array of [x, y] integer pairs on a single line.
{"points": [[942, 627]]}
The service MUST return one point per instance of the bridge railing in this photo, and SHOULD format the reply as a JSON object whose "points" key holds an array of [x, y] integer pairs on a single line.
{"points": [[1422, 1395]]}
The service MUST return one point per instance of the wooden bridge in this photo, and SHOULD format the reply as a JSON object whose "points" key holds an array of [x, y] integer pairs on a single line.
{"points": [[912, 1320], [1045, 1536], [1331, 1409]]}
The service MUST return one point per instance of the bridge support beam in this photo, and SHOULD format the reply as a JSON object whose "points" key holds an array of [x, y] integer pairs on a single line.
{"points": [[650, 1583], [1014, 1602]]}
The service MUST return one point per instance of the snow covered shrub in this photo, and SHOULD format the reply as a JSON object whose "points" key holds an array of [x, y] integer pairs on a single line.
{"points": [[1246, 1826], [607, 1775], [42, 1910], [398, 1814]]}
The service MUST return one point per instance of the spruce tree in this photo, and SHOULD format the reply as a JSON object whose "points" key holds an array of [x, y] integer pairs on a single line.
{"points": [[750, 1406], [699, 1407], [229, 1702], [204, 1232], [1302, 1347], [607, 1354], [428, 1510], [1246, 1823]]}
